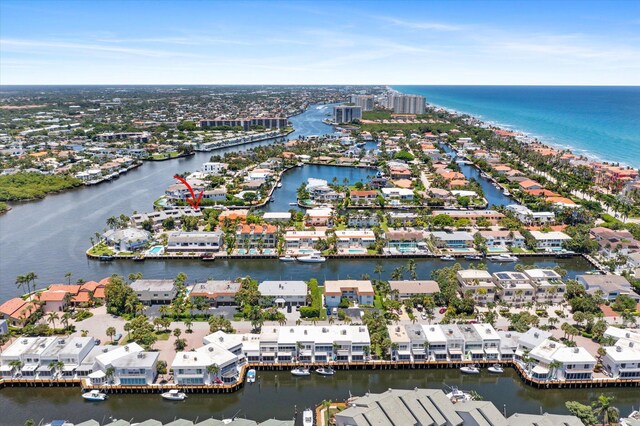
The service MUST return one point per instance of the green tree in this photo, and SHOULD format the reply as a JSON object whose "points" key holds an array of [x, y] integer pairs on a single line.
{"points": [[581, 411], [605, 411]]}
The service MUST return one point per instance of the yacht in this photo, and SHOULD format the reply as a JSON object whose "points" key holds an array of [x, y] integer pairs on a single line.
{"points": [[456, 395], [174, 395], [496, 368], [94, 395], [279, 185], [307, 418], [473, 257], [300, 371], [506, 192], [325, 371], [287, 258], [503, 258], [312, 258], [251, 376], [447, 258], [293, 204], [470, 369]]}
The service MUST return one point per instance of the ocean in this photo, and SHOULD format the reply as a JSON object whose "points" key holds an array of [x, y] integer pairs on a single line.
{"points": [[600, 122]]}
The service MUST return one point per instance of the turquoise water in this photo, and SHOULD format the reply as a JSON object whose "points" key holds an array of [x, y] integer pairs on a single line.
{"points": [[600, 122]]}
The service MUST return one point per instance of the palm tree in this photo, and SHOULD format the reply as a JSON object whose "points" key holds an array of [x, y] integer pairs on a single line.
{"points": [[31, 278], [553, 366], [604, 410], [21, 281], [68, 277], [65, 320], [111, 331], [213, 369], [188, 323], [109, 372], [17, 364], [51, 318]]}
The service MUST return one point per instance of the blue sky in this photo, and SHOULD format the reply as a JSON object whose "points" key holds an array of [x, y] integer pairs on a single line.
{"points": [[298, 42]]}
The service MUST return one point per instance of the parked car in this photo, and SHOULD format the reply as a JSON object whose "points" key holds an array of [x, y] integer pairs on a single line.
{"points": [[442, 310], [117, 337]]}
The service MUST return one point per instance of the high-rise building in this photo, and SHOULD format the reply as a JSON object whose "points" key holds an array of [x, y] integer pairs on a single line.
{"points": [[364, 101], [346, 113], [406, 104]]}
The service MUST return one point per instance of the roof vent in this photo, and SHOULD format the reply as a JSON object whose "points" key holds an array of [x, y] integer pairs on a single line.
{"points": [[576, 350], [618, 349], [78, 345], [536, 334], [305, 332], [552, 345], [210, 348], [344, 332], [398, 329], [195, 358]]}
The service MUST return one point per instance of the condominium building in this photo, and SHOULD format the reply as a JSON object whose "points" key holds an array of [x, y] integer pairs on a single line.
{"points": [[366, 102], [478, 284], [407, 104], [514, 287], [548, 284], [247, 123], [196, 241], [346, 113], [360, 291]]}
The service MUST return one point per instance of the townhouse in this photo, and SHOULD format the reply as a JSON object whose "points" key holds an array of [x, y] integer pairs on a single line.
{"points": [[406, 241], [622, 359], [256, 236], [548, 285], [362, 219], [455, 342], [400, 343], [403, 290], [359, 291], [354, 240], [502, 240], [397, 196], [436, 343], [514, 287], [531, 218], [612, 243], [322, 343], [549, 241], [303, 240], [209, 364], [478, 284], [216, 292], [194, 242], [155, 292], [283, 293], [491, 341]]}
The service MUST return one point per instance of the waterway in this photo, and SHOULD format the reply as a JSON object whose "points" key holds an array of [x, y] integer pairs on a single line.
{"points": [[278, 394]]}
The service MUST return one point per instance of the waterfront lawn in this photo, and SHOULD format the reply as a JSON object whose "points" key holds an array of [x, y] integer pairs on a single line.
{"points": [[376, 115], [4, 207], [101, 249], [26, 186], [165, 155]]}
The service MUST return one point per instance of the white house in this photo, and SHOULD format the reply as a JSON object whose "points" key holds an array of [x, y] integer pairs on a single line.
{"points": [[214, 168], [360, 291], [549, 241], [155, 292], [284, 293]]}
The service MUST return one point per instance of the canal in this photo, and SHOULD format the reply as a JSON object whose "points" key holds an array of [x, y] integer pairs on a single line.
{"points": [[277, 394]]}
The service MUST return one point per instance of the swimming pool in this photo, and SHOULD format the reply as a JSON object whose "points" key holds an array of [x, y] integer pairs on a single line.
{"points": [[156, 250]]}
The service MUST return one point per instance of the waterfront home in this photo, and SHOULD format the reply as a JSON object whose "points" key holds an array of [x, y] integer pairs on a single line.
{"points": [[27, 351], [404, 219], [611, 286], [359, 291], [319, 216], [4, 327], [418, 342], [362, 219], [452, 241], [622, 360], [477, 284], [455, 342], [16, 311], [256, 236], [403, 290], [354, 240], [56, 297], [277, 217], [575, 364], [528, 217], [216, 292], [155, 292], [214, 168], [541, 358], [69, 351], [206, 365], [283, 293], [549, 241], [406, 241], [508, 344], [127, 239], [233, 215], [195, 241], [322, 343], [490, 341], [473, 344], [301, 241], [158, 217], [473, 215], [234, 343], [504, 240], [105, 360], [397, 195], [530, 339], [320, 191], [217, 194], [400, 343], [436, 342], [180, 192], [363, 197], [136, 368], [613, 243], [529, 184], [514, 287], [548, 284]]}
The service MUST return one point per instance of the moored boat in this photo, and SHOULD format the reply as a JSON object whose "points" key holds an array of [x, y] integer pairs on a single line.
{"points": [[251, 376], [325, 371], [300, 371], [174, 395], [473, 257], [456, 395], [279, 185], [312, 258], [503, 258], [496, 368], [470, 369], [447, 258], [94, 395], [287, 258], [307, 418]]}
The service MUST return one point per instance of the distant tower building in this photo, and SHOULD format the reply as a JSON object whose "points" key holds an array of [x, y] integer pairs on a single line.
{"points": [[346, 113], [363, 101], [406, 104]]}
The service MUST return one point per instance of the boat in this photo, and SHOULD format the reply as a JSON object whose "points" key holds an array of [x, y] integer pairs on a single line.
{"points": [[565, 253], [251, 376], [106, 258], [138, 258], [496, 368], [456, 395], [447, 258], [174, 395], [503, 258], [279, 185], [307, 417], [287, 258], [58, 423], [312, 258], [473, 257], [272, 200], [506, 192], [325, 371], [94, 395], [293, 204], [470, 369], [301, 372]]}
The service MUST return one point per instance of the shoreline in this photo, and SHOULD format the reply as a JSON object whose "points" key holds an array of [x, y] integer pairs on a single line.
{"points": [[542, 139]]}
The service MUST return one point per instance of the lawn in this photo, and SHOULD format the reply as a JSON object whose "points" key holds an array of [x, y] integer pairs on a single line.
{"points": [[101, 249], [165, 155]]}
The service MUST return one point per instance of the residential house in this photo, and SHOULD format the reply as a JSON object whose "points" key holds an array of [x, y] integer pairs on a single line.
{"points": [[16, 311], [256, 236], [611, 286], [195, 241], [354, 240], [303, 240], [362, 219], [478, 284], [319, 217], [504, 240], [216, 292], [548, 285], [514, 287], [457, 240], [155, 292], [403, 290], [531, 218], [360, 291], [473, 215], [549, 241], [284, 293]]}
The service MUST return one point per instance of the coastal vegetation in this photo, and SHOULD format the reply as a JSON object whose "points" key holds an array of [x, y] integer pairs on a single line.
{"points": [[27, 186]]}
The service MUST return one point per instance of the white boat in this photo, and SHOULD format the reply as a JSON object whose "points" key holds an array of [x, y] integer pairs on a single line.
{"points": [[174, 395], [307, 417], [251, 376], [503, 258], [301, 371], [506, 192], [94, 395], [456, 395], [447, 258], [470, 369], [279, 185], [293, 204], [312, 258], [287, 258], [496, 368], [473, 257], [325, 371]]}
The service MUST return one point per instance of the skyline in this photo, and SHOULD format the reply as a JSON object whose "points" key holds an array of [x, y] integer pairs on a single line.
{"points": [[473, 43]]}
